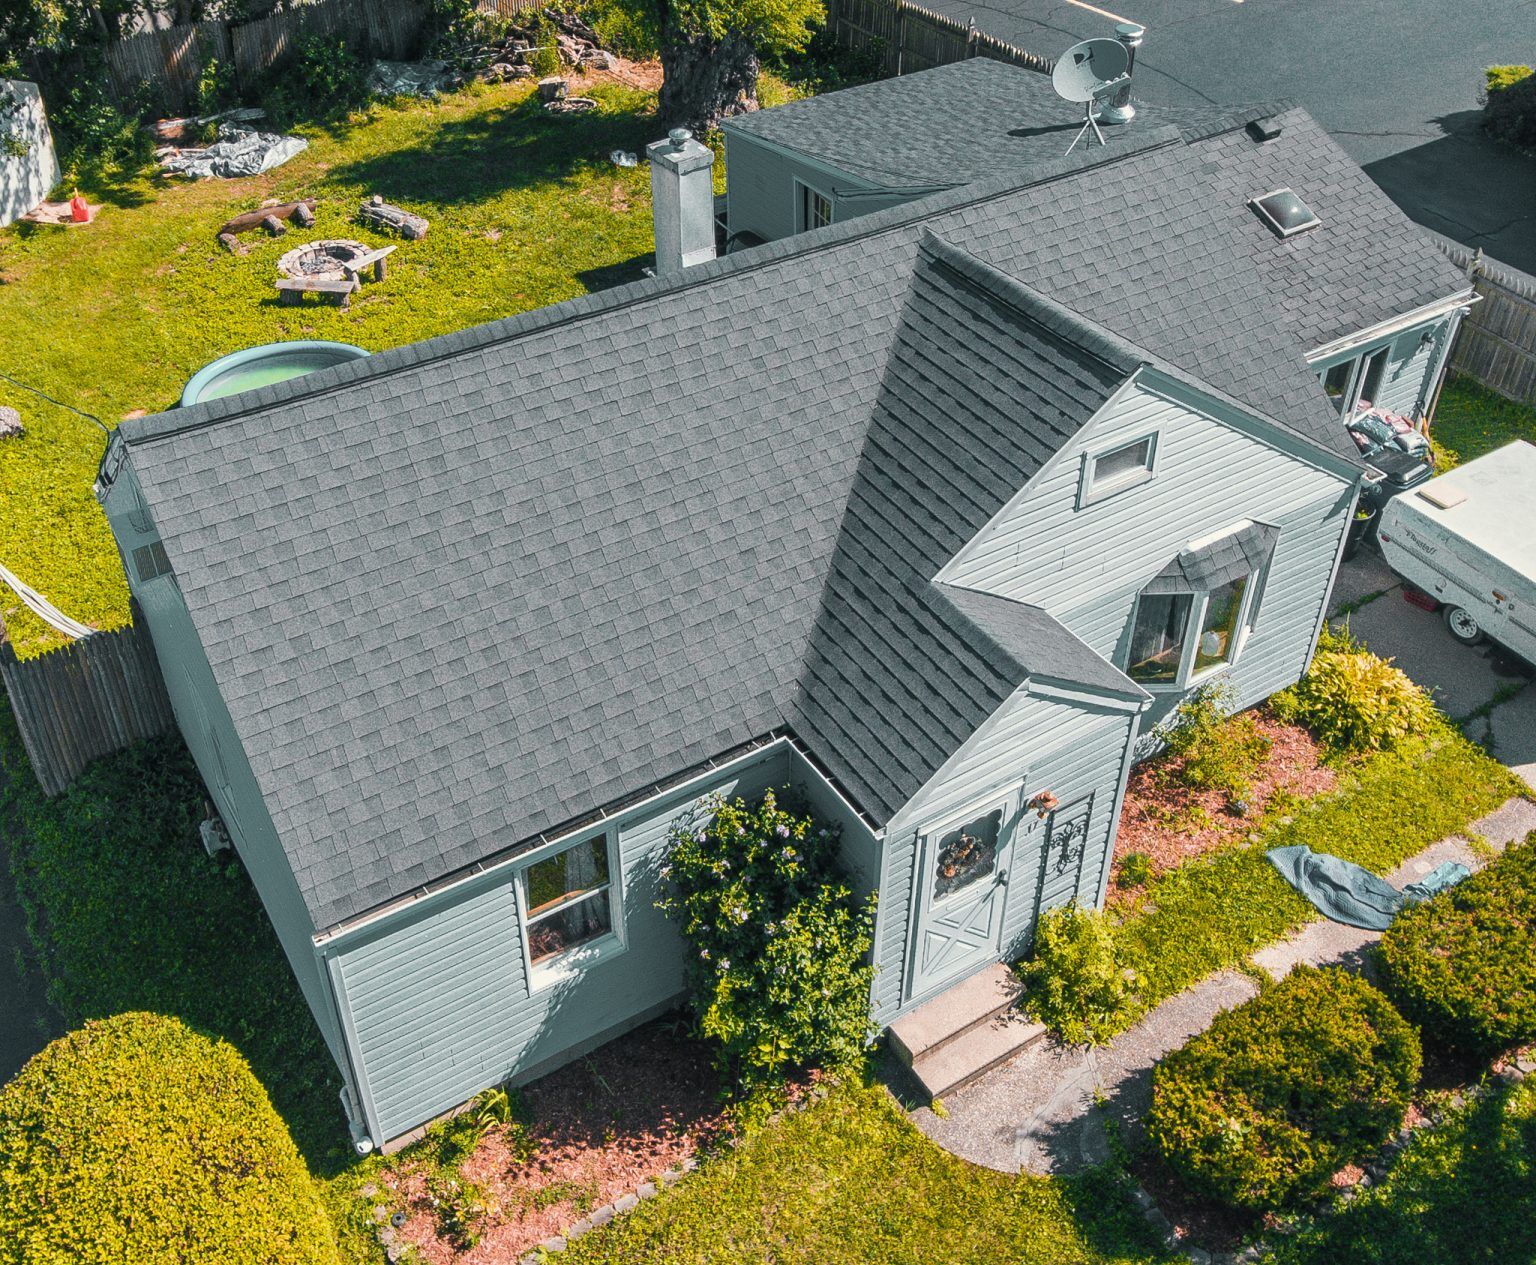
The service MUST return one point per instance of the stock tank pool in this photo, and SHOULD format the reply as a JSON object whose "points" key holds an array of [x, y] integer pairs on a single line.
{"points": [[262, 366]]}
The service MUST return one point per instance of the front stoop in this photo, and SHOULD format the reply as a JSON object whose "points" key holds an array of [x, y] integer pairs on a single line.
{"points": [[962, 1033]]}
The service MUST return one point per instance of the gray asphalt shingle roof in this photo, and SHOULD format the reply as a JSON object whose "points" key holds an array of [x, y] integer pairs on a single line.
{"points": [[463, 591], [946, 126]]}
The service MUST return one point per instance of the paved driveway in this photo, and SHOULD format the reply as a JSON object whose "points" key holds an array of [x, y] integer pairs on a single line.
{"points": [[1486, 689], [1395, 81]]}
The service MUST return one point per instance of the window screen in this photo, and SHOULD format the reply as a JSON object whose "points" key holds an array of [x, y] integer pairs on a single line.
{"points": [[569, 898], [1157, 638]]}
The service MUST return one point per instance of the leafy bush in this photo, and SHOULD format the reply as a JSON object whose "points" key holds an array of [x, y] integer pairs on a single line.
{"points": [[95, 135], [325, 81], [1215, 750], [1076, 983], [545, 57], [215, 86], [1354, 701], [1262, 1108], [779, 970], [136, 1139], [1509, 105], [1463, 965], [1135, 869]]}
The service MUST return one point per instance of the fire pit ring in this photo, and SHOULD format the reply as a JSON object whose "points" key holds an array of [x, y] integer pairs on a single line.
{"points": [[323, 260]]}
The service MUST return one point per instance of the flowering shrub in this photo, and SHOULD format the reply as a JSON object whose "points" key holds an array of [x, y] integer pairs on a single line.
{"points": [[779, 968]]}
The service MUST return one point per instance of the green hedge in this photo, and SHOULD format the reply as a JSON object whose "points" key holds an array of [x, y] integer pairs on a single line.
{"points": [[137, 1139], [1509, 105], [1463, 965], [1354, 701], [1263, 1107]]}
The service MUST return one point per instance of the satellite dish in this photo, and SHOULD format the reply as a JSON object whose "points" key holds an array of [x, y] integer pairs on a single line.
{"points": [[1088, 71]]}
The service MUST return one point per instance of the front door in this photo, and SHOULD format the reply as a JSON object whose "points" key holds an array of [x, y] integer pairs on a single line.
{"points": [[962, 880]]}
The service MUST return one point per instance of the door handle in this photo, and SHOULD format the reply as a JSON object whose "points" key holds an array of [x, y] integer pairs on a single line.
{"points": [[1002, 878]]}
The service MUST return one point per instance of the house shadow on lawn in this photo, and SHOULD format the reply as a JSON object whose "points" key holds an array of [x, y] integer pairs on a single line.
{"points": [[518, 146]]}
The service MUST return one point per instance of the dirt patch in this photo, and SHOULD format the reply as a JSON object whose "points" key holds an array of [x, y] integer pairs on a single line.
{"points": [[633, 74], [1169, 823], [598, 1128]]}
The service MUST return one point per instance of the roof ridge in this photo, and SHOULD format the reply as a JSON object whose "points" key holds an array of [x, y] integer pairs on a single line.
{"points": [[1056, 318], [410, 356]]}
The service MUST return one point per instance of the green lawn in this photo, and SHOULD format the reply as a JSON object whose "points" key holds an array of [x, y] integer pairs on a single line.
{"points": [[1471, 420], [1462, 1193], [526, 210], [850, 1180], [1215, 911]]}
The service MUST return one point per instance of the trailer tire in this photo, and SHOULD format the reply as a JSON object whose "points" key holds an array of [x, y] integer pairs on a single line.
{"points": [[1462, 625]]}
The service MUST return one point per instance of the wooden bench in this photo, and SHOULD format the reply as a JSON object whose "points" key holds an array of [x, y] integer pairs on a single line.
{"points": [[291, 290], [374, 259]]}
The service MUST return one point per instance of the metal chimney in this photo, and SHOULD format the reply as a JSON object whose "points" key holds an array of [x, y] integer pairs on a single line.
{"points": [[1120, 109], [682, 201]]}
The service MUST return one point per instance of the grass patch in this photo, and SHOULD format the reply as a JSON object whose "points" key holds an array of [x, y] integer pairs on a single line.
{"points": [[850, 1180], [1214, 911], [526, 210], [1471, 420], [127, 912], [1464, 1191]]}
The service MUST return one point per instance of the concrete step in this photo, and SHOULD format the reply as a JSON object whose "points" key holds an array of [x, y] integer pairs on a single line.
{"points": [[974, 1001], [956, 1063]]}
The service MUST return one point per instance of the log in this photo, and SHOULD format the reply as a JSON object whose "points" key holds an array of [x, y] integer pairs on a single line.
{"points": [[255, 219], [303, 216], [232, 244], [274, 226], [381, 215], [551, 89]]}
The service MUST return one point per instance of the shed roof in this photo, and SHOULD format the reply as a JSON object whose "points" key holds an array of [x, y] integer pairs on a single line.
{"points": [[443, 623]]}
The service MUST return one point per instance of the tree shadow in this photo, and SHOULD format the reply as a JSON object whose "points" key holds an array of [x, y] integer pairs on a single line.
{"points": [[517, 146], [1469, 187]]}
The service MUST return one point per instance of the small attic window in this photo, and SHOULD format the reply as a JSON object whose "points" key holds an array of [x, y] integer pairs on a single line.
{"points": [[1285, 213]]}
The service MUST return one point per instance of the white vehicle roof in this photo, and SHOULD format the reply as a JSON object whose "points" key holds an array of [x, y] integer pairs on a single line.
{"points": [[1490, 502]]}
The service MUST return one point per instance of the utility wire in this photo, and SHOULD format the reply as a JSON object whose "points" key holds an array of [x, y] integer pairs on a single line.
{"points": [[91, 417]]}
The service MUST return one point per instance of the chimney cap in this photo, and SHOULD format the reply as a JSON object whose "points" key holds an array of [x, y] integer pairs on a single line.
{"points": [[679, 136]]}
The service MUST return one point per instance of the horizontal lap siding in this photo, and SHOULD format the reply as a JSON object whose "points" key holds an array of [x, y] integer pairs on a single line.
{"points": [[760, 188], [1409, 365], [1069, 748], [1047, 552], [440, 1005]]}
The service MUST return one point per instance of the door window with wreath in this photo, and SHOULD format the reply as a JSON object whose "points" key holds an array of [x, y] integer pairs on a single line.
{"points": [[966, 854]]}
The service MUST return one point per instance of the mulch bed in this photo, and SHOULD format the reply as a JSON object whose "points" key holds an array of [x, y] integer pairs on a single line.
{"points": [[602, 1125], [1170, 823]]}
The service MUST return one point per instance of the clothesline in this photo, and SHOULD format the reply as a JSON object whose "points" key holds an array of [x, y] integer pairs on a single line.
{"points": [[43, 608]]}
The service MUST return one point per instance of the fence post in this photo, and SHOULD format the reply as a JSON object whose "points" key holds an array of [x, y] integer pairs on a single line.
{"points": [[970, 40]]}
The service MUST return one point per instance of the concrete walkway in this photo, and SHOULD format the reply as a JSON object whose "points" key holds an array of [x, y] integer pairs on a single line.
{"points": [[1053, 1109]]}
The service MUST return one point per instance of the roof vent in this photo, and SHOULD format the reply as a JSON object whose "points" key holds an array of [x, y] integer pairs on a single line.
{"points": [[1265, 129], [1284, 212]]}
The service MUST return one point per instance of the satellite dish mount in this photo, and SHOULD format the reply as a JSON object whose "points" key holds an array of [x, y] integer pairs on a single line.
{"points": [[1089, 72]]}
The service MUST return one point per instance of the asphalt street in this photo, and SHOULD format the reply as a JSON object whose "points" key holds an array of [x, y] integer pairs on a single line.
{"points": [[1396, 82]]}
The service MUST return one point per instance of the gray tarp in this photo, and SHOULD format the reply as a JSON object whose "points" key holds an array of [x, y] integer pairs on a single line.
{"points": [[237, 152], [412, 78], [1349, 894]]}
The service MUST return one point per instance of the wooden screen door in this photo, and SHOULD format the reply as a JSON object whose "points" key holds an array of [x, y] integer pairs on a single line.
{"points": [[962, 878]]}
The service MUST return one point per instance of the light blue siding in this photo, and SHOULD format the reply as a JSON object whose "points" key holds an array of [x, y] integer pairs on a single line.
{"points": [[1071, 746], [1086, 565], [1406, 386], [761, 193], [220, 758], [439, 1001]]}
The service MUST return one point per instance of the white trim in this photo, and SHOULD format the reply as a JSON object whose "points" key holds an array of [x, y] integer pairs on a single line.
{"points": [[1389, 328], [487, 875], [578, 957], [1091, 489], [801, 220]]}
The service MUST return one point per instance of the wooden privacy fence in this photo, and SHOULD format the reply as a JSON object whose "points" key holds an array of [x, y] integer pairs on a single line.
{"points": [[85, 700], [1497, 342], [907, 37], [172, 60], [510, 8]]}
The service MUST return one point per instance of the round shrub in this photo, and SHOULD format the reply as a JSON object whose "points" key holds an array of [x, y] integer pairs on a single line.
{"points": [[136, 1139], [778, 963], [1075, 982], [1509, 105], [1463, 965], [1354, 701], [1278, 1094]]}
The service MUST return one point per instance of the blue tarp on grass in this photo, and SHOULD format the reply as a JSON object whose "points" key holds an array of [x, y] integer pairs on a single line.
{"points": [[1350, 894]]}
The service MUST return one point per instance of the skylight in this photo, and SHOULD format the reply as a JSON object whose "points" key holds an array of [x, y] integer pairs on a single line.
{"points": [[1285, 213]]}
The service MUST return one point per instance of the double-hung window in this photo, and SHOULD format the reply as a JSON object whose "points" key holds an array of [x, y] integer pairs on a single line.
{"points": [[568, 901], [815, 208]]}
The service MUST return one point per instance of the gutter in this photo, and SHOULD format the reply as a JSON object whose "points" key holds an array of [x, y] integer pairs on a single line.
{"points": [[1394, 325]]}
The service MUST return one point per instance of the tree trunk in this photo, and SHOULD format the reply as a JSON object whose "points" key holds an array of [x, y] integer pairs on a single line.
{"points": [[704, 80]]}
